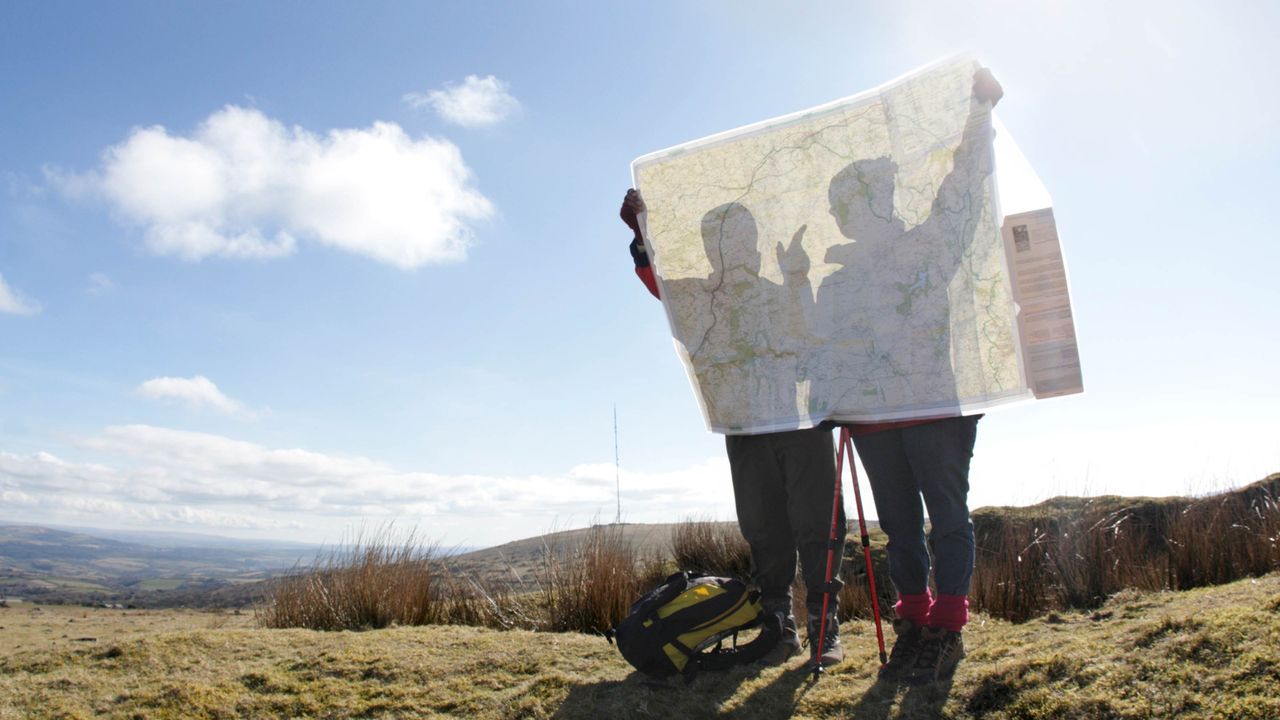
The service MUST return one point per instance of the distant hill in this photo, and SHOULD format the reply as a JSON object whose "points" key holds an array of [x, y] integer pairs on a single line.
{"points": [[48, 565], [520, 561], [79, 565], [182, 539]]}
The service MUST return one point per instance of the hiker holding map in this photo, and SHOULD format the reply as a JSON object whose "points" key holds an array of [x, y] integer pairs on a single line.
{"points": [[844, 267], [780, 480], [908, 460]]}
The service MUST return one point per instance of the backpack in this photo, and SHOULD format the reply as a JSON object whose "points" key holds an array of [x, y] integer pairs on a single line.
{"points": [[669, 631]]}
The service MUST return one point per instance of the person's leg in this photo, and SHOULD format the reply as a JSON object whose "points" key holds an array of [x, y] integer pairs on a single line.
{"points": [[760, 497], [897, 500], [901, 515], [939, 453], [808, 461]]}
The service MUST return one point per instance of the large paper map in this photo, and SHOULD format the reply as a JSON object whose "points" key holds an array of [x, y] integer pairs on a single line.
{"points": [[844, 263]]}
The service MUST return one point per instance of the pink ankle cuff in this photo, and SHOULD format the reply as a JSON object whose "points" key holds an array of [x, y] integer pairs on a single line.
{"points": [[950, 612], [914, 607]]}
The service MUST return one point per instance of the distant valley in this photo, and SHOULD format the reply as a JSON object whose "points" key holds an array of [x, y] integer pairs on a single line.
{"points": [[74, 565]]}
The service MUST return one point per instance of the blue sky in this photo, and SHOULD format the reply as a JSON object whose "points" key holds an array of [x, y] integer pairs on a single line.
{"points": [[279, 269]]}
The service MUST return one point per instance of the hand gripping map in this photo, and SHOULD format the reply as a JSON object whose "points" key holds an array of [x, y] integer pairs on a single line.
{"points": [[847, 263]]}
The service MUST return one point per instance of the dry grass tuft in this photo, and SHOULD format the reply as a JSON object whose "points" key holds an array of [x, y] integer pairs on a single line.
{"points": [[714, 548], [1076, 552], [374, 582], [1067, 553], [590, 587], [380, 580]]}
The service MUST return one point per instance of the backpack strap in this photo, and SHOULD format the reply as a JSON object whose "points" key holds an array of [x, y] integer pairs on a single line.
{"points": [[722, 659]]}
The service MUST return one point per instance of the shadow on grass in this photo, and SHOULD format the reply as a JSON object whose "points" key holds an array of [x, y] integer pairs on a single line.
{"points": [[637, 696], [708, 696], [923, 702]]}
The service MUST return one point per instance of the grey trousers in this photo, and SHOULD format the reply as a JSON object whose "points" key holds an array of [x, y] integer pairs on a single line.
{"points": [[929, 461], [782, 488]]}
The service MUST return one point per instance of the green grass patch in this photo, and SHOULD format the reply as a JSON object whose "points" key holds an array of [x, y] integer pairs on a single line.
{"points": [[160, 584]]}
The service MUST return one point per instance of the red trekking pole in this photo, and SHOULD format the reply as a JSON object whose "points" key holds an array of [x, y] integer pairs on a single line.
{"points": [[834, 542]]}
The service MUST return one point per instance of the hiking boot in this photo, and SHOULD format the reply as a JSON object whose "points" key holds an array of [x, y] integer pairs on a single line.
{"points": [[832, 652], [787, 646], [905, 649], [939, 653]]}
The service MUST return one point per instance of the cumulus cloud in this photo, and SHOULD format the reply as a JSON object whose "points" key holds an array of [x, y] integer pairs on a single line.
{"points": [[197, 392], [162, 475], [476, 102], [14, 302], [244, 185]]}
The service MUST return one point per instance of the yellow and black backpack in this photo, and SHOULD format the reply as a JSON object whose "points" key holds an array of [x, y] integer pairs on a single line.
{"points": [[671, 630]]}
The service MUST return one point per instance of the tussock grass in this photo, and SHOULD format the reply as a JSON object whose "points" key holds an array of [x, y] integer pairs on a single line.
{"points": [[714, 548], [1064, 554], [379, 580], [1076, 552], [591, 587], [376, 581]]}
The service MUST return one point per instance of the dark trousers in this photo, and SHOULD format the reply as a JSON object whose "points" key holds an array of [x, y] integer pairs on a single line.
{"points": [[782, 488], [930, 461]]}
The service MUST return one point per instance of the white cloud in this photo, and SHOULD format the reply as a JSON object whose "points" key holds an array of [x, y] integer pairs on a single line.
{"points": [[197, 392], [244, 185], [158, 475], [477, 101], [14, 302]]}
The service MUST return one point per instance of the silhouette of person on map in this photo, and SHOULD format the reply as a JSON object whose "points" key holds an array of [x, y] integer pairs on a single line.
{"points": [[890, 296], [748, 356]]}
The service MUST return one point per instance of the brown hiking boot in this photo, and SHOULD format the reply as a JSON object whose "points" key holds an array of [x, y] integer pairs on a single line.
{"points": [[903, 655], [787, 647], [832, 651], [940, 651]]}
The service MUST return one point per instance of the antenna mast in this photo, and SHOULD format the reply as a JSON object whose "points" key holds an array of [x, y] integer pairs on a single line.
{"points": [[617, 471]]}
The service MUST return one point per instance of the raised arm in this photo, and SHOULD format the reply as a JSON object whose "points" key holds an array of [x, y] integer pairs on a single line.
{"points": [[972, 163]]}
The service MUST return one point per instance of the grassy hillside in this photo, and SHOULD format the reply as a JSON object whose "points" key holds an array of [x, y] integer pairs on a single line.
{"points": [[1207, 653], [521, 561]]}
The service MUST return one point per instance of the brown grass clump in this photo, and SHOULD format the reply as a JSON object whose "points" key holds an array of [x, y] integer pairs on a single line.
{"points": [[1226, 537], [590, 587], [714, 548], [372, 583], [1066, 553], [1076, 552], [378, 581]]}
